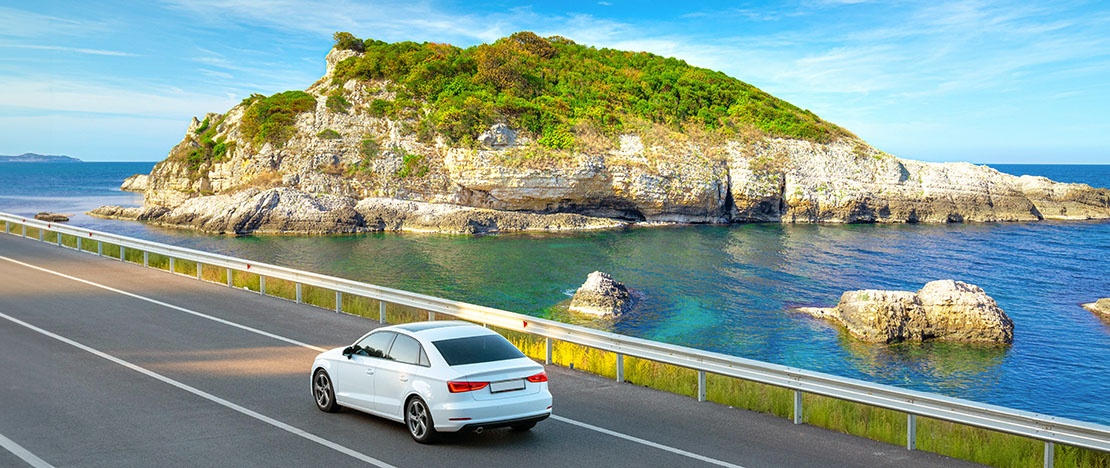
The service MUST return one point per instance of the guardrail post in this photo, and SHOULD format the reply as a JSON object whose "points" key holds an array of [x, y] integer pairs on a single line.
{"points": [[797, 406], [1049, 454], [548, 356], [261, 285], [620, 367], [298, 286], [78, 243], [911, 432], [173, 269], [338, 302], [701, 385], [99, 248], [42, 236], [200, 271], [122, 253], [381, 311], [146, 258], [24, 229], [431, 316], [230, 272]]}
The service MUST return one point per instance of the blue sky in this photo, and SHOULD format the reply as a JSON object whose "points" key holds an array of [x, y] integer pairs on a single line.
{"points": [[988, 81]]}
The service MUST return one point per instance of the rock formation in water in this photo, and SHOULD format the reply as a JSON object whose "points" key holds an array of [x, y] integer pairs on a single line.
{"points": [[602, 296], [52, 217], [359, 136], [1101, 307], [943, 310]]}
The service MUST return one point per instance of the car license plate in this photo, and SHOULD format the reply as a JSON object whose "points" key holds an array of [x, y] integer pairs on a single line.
{"points": [[506, 386]]}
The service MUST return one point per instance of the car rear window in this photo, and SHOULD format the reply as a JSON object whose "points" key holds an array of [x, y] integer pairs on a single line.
{"points": [[475, 349]]}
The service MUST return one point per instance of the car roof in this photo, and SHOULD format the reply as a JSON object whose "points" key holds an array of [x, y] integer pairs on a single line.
{"points": [[443, 329]]}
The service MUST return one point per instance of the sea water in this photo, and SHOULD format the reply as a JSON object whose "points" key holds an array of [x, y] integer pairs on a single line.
{"points": [[729, 289]]}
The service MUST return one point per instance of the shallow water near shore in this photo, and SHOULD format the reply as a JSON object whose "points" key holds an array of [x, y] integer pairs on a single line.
{"points": [[731, 289]]}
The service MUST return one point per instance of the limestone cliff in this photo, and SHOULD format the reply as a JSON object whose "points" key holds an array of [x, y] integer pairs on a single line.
{"points": [[343, 153]]}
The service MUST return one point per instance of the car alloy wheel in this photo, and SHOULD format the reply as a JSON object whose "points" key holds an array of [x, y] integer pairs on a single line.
{"points": [[324, 392], [419, 420]]}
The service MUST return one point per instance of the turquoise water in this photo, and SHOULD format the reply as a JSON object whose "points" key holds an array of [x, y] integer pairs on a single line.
{"points": [[731, 288]]}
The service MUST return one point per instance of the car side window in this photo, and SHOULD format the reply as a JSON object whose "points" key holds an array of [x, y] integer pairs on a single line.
{"points": [[375, 345], [407, 350]]}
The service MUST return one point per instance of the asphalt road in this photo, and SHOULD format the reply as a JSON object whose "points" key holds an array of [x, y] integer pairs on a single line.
{"points": [[108, 364]]}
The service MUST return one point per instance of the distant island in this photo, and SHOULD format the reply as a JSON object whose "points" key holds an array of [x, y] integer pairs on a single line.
{"points": [[38, 158]]}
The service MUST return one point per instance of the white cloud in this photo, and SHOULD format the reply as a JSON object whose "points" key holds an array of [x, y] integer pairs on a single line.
{"points": [[37, 95], [76, 50]]}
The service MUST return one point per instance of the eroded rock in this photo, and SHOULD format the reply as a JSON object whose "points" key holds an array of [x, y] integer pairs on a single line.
{"points": [[944, 310], [601, 295], [1101, 307]]}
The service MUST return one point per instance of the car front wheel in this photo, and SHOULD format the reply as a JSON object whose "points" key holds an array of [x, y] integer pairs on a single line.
{"points": [[324, 392], [419, 420]]}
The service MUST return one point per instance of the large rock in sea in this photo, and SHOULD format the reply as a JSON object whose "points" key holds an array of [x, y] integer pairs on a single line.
{"points": [[601, 295], [1101, 307], [945, 310]]}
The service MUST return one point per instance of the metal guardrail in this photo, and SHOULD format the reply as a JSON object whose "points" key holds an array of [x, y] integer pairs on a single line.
{"points": [[1049, 429]]}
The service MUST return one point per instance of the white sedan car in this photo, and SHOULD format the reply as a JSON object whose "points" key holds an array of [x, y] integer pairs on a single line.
{"points": [[442, 376]]}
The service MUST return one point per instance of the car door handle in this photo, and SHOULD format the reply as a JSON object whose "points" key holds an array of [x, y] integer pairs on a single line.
{"points": [[369, 371], [404, 378]]}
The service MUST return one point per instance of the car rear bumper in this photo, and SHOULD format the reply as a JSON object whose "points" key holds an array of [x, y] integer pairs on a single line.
{"points": [[508, 423], [456, 416]]}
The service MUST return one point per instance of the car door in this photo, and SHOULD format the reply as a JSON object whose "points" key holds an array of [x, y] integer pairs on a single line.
{"points": [[395, 374], [354, 382]]}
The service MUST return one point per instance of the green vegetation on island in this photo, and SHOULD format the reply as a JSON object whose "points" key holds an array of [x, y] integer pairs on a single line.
{"points": [[560, 91]]}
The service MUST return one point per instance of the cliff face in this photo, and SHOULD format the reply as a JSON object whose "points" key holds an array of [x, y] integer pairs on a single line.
{"points": [[340, 151]]}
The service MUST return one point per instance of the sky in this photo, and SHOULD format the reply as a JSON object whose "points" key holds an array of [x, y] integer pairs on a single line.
{"points": [[990, 81]]}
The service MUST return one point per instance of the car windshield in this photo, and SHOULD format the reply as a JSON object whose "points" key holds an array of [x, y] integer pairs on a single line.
{"points": [[475, 349]]}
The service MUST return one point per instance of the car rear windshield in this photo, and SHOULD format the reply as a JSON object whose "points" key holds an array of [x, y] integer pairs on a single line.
{"points": [[475, 349]]}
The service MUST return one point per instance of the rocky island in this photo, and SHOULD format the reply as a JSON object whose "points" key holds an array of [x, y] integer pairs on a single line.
{"points": [[531, 133], [944, 310]]}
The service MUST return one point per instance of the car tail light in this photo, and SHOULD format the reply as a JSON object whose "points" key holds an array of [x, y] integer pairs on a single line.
{"points": [[541, 377], [464, 386]]}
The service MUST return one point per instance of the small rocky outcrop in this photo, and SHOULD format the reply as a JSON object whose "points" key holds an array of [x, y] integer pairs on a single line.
{"points": [[945, 310], [135, 183], [52, 217], [601, 295], [1101, 307]]}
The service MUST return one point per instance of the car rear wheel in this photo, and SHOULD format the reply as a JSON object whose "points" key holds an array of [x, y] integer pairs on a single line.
{"points": [[324, 392], [419, 421]]}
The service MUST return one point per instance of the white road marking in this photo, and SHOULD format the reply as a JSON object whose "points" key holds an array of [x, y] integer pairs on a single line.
{"points": [[645, 442], [305, 345], [170, 306], [23, 453], [207, 396]]}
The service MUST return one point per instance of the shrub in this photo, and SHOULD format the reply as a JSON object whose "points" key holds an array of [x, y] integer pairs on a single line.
{"points": [[337, 103], [348, 41], [412, 165], [270, 119], [328, 134]]}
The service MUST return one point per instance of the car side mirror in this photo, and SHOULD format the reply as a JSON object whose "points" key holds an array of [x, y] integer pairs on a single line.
{"points": [[348, 351]]}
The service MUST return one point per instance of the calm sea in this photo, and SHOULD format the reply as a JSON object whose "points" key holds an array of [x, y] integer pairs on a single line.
{"points": [[727, 288]]}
